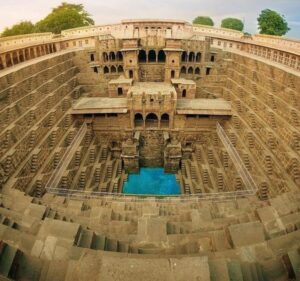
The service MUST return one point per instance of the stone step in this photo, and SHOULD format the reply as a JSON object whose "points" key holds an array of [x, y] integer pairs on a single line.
{"points": [[7, 259]]}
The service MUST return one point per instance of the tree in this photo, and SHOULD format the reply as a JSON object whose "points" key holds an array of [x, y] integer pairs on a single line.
{"points": [[23, 27], [64, 17], [272, 23], [232, 23], [203, 20]]}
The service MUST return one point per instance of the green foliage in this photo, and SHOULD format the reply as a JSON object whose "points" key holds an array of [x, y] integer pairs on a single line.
{"points": [[24, 27], [203, 20], [272, 23], [232, 23], [64, 17]]}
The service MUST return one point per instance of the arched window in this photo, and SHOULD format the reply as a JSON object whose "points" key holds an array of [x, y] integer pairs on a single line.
{"points": [[161, 56], [151, 120], [172, 74], [120, 69], [198, 57], [138, 120], [190, 70], [184, 93], [164, 121], [8, 60], [112, 56], [113, 69], [105, 70], [197, 71], [142, 56], [105, 57], [95, 69], [92, 57], [119, 56], [184, 56], [151, 56], [130, 74], [191, 56], [183, 70]]}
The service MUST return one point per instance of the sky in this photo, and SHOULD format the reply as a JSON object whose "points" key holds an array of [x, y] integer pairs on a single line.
{"points": [[113, 11]]}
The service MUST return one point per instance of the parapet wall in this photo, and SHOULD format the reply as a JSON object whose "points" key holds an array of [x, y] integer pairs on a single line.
{"points": [[281, 50]]}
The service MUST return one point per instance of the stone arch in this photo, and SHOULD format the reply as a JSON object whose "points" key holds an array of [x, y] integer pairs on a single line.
{"points": [[27, 56], [197, 71], [15, 57], [142, 56], [112, 56], [198, 57], [1, 63], [138, 120], [105, 69], [8, 60], [105, 56], [161, 57], [172, 74], [152, 56], [191, 56], [119, 56], [164, 120], [130, 73], [31, 51], [183, 70], [113, 69], [190, 70], [151, 120], [184, 56], [120, 68], [38, 52]]}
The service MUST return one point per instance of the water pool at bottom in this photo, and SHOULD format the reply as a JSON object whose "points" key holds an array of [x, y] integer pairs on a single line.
{"points": [[151, 181]]}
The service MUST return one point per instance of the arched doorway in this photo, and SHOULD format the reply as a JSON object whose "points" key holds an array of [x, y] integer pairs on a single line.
{"points": [[142, 56], [151, 56], [161, 56], [183, 93], [164, 120], [8, 60], [15, 58], [198, 57], [190, 70], [183, 70], [138, 120], [184, 57], [197, 71], [113, 69], [27, 57], [172, 74], [130, 74], [105, 70], [151, 120], [120, 69]]}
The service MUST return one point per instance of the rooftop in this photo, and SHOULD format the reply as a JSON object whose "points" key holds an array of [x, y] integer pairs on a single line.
{"points": [[152, 88]]}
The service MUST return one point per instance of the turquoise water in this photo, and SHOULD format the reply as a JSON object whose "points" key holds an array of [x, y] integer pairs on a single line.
{"points": [[151, 181]]}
